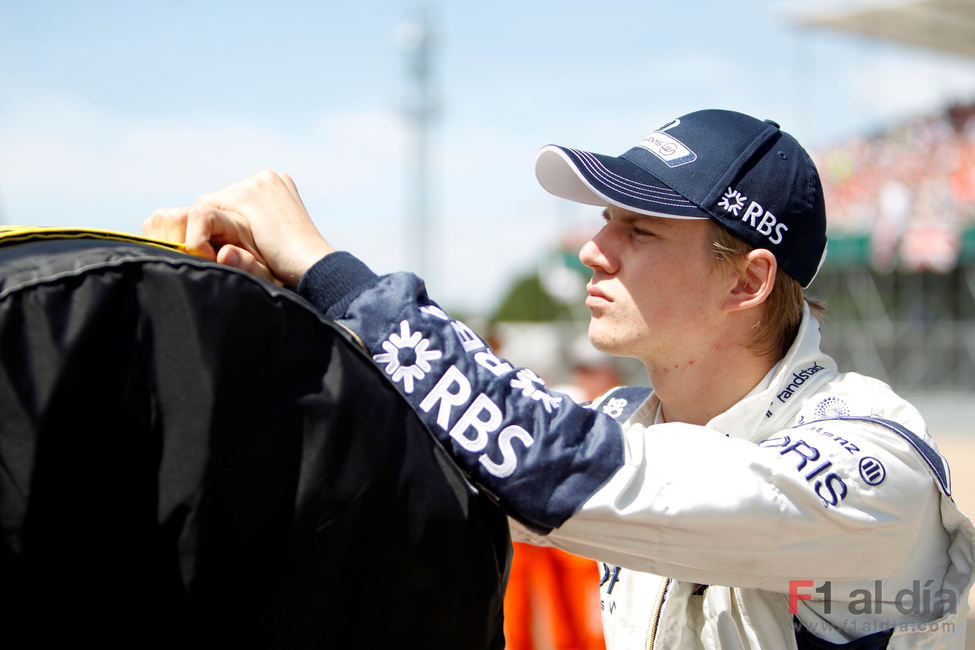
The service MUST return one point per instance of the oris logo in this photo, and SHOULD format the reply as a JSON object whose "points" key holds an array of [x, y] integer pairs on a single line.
{"points": [[826, 483]]}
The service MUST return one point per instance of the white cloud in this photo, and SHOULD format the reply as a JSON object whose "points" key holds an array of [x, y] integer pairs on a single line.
{"points": [[65, 162], [61, 152], [896, 86]]}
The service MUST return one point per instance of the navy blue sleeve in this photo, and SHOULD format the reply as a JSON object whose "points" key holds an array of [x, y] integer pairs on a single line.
{"points": [[334, 281], [540, 454]]}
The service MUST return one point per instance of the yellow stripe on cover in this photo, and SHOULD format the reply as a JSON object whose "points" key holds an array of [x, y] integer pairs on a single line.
{"points": [[15, 234]]}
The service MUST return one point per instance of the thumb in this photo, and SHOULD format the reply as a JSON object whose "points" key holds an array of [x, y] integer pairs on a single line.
{"points": [[243, 260]]}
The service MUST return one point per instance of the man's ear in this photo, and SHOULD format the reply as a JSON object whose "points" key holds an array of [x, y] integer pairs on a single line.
{"points": [[755, 282]]}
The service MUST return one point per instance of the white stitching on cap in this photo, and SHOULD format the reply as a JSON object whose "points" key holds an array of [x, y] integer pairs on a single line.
{"points": [[641, 191], [598, 168]]}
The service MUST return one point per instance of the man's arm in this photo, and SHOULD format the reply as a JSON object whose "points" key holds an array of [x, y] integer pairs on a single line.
{"points": [[537, 452], [545, 458]]}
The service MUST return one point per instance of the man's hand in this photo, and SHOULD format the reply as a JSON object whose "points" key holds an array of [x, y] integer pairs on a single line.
{"points": [[259, 225]]}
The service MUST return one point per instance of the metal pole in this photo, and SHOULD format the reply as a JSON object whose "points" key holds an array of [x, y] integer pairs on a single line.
{"points": [[417, 41]]}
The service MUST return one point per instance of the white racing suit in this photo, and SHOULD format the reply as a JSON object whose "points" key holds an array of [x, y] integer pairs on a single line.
{"points": [[814, 513]]}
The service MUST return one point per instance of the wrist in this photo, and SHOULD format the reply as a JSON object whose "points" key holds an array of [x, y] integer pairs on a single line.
{"points": [[291, 265]]}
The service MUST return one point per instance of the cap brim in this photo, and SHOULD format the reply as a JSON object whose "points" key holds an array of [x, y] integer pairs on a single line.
{"points": [[595, 179]]}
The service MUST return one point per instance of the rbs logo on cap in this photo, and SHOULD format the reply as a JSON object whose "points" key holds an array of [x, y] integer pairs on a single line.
{"points": [[755, 215]]}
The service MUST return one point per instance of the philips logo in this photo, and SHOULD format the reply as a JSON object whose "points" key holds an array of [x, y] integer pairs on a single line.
{"points": [[669, 149], [755, 215]]}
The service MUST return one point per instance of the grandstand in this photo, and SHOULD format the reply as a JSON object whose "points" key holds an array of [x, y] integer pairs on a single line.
{"points": [[900, 274], [943, 25]]}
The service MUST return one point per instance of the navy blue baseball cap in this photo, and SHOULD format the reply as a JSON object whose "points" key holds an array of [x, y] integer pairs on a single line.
{"points": [[746, 174]]}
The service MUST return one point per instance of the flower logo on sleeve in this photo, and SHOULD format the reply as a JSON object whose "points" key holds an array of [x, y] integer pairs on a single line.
{"points": [[407, 356], [531, 386]]}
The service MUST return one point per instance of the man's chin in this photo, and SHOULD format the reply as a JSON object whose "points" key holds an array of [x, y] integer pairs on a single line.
{"points": [[605, 343]]}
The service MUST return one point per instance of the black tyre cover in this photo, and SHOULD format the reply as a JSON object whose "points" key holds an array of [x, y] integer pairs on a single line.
{"points": [[191, 457]]}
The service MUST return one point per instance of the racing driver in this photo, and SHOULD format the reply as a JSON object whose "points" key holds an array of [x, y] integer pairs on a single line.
{"points": [[757, 497]]}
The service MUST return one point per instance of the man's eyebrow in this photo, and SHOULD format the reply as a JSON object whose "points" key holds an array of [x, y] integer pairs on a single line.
{"points": [[633, 217]]}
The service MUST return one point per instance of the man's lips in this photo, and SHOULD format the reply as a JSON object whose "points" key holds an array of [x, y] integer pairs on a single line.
{"points": [[596, 296]]}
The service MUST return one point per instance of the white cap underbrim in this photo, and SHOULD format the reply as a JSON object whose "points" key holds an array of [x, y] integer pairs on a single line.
{"points": [[560, 175]]}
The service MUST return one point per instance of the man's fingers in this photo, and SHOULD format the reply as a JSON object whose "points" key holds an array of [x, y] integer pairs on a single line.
{"points": [[168, 224], [208, 228], [262, 215], [198, 231], [243, 260]]}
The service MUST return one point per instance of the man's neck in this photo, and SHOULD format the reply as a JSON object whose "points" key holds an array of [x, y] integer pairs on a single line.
{"points": [[698, 391]]}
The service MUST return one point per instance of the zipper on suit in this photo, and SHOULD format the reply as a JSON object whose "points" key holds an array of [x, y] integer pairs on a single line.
{"points": [[655, 620]]}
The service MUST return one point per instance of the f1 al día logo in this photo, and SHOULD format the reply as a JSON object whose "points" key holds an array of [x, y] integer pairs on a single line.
{"points": [[919, 599]]}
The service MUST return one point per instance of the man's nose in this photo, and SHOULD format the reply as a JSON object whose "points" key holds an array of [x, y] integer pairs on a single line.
{"points": [[596, 253]]}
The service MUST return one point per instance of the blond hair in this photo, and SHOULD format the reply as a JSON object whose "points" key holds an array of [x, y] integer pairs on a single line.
{"points": [[777, 329]]}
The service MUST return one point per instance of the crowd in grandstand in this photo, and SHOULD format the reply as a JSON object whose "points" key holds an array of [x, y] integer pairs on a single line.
{"points": [[911, 190]]}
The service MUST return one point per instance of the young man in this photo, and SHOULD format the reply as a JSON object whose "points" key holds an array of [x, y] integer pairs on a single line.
{"points": [[758, 498]]}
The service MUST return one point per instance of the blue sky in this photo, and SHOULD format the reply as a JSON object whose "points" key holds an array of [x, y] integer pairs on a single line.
{"points": [[109, 110]]}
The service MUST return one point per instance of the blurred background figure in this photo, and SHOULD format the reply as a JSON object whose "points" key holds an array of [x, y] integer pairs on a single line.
{"points": [[552, 600]]}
